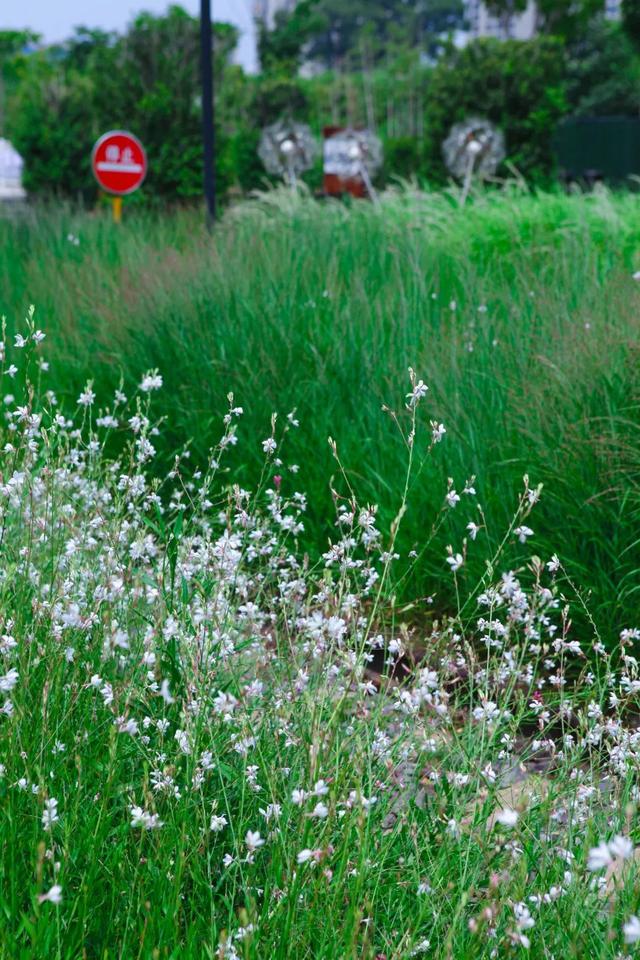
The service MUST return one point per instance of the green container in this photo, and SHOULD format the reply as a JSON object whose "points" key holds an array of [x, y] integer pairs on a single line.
{"points": [[598, 148]]}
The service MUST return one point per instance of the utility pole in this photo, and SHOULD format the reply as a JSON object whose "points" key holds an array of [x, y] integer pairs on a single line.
{"points": [[208, 131]]}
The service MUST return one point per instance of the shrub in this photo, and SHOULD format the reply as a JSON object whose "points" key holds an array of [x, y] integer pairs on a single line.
{"points": [[517, 85]]}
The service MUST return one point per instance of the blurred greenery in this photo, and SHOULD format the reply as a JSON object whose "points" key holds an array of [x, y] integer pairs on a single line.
{"points": [[395, 70]]}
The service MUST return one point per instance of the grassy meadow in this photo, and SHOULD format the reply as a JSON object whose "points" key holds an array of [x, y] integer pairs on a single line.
{"points": [[519, 312], [216, 738]]}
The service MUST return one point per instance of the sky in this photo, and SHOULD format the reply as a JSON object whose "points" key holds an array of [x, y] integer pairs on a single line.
{"points": [[55, 19]]}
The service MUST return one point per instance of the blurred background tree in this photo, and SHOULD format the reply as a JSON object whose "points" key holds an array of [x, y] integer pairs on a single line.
{"points": [[146, 80], [386, 24], [519, 86], [388, 64], [631, 20]]}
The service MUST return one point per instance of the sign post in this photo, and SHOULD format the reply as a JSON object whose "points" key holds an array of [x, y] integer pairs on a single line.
{"points": [[119, 164]]}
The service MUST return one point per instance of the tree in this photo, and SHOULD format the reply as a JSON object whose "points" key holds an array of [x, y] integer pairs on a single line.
{"points": [[505, 10], [280, 48], [146, 80], [631, 20], [567, 18], [13, 43], [517, 85], [561, 18], [603, 72], [390, 23]]}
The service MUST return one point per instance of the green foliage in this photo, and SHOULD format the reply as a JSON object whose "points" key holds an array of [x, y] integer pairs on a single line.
{"points": [[277, 96], [383, 25], [280, 48], [567, 18], [603, 73], [631, 20], [559, 18], [12, 42], [53, 127], [402, 157], [146, 80], [519, 86], [57, 101]]}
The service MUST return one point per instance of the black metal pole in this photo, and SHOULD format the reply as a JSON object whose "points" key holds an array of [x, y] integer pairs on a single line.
{"points": [[208, 132]]}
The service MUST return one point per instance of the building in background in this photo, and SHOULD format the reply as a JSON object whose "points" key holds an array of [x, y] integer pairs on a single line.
{"points": [[511, 26], [516, 26], [11, 166]]}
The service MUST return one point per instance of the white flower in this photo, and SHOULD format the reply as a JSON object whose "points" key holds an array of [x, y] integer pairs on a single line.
{"points": [[152, 381], [8, 681], [419, 948], [147, 821], [321, 789], [636, 275], [218, 823], [507, 817], [298, 797], [128, 726], [269, 446], [522, 533], [523, 917], [417, 393], [165, 693], [524, 921], [488, 711], [631, 929], [473, 529], [50, 813], [455, 561], [87, 396], [320, 811], [438, 431], [54, 895], [553, 564], [20, 341], [621, 848], [253, 840], [452, 498], [304, 856], [599, 857]]}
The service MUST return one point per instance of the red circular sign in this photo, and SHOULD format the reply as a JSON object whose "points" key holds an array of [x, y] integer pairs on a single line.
{"points": [[119, 162]]}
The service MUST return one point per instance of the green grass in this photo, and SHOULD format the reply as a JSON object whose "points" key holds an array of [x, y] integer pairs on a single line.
{"points": [[195, 761], [322, 308], [196, 758]]}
